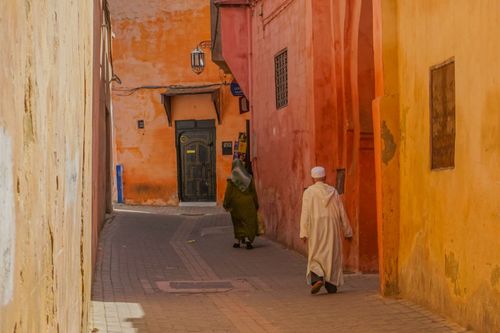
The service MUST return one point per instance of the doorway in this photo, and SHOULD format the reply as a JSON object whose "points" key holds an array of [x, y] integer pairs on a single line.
{"points": [[195, 141]]}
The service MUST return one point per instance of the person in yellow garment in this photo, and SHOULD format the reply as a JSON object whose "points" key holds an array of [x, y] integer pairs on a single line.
{"points": [[322, 223], [241, 201]]}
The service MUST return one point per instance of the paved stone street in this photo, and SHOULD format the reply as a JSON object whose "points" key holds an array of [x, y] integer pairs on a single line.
{"points": [[174, 270]]}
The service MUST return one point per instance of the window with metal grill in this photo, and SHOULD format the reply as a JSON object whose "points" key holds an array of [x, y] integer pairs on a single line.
{"points": [[281, 78]]}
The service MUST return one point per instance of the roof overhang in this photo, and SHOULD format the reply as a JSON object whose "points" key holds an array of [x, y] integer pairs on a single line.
{"points": [[213, 90]]}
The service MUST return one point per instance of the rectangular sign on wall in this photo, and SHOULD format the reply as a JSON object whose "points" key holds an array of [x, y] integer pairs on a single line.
{"points": [[340, 181], [236, 89], [442, 105], [227, 148]]}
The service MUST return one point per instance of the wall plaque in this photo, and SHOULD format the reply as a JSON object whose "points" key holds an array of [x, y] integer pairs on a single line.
{"points": [[236, 89], [227, 148], [244, 105], [442, 113], [340, 181]]}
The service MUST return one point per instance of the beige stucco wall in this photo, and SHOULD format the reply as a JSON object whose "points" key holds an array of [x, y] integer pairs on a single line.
{"points": [[449, 244], [45, 165], [101, 121]]}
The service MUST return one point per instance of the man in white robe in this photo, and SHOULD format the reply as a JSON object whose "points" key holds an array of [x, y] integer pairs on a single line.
{"points": [[322, 223]]}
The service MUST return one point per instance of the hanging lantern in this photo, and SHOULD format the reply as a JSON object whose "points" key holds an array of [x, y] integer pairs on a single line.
{"points": [[197, 60]]}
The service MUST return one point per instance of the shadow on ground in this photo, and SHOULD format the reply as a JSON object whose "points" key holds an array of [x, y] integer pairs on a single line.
{"points": [[174, 270]]}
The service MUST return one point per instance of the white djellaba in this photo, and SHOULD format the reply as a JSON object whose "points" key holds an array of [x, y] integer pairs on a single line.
{"points": [[324, 223]]}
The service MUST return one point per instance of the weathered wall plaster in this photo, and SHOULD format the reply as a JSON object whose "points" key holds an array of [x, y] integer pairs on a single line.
{"points": [[387, 140], [328, 117], [152, 46], [235, 31], [7, 220], [45, 165], [448, 249], [101, 121]]}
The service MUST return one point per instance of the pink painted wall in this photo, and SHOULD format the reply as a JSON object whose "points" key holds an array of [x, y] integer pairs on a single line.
{"points": [[328, 118], [283, 139], [235, 31]]}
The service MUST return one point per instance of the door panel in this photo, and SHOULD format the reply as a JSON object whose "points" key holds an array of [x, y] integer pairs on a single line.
{"points": [[196, 151]]}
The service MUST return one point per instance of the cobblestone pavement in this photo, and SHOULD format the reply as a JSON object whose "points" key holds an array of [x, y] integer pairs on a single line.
{"points": [[174, 270]]}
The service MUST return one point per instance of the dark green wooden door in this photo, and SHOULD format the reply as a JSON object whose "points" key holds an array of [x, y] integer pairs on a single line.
{"points": [[196, 156]]}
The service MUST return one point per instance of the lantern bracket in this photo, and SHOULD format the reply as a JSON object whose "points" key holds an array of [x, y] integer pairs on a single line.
{"points": [[206, 44]]}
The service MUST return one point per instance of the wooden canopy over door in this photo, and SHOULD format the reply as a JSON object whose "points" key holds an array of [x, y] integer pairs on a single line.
{"points": [[213, 90]]}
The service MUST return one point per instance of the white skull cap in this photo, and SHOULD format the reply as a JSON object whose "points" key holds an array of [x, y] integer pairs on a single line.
{"points": [[318, 172]]}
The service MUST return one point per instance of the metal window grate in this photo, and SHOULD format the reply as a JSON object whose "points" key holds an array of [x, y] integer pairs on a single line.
{"points": [[281, 78], [442, 105]]}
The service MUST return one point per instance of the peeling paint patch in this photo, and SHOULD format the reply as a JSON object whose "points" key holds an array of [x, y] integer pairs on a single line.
{"points": [[495, 276], [29, 132], [140, 9], [451, 267], [71, 181], [391, 288], [451, 270], [7, 220], [389, 146]]}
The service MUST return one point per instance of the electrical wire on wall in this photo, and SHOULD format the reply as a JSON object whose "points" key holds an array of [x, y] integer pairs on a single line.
{"points": [[131, 91]]}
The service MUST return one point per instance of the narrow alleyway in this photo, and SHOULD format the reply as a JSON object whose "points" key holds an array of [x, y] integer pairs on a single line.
{"points": [[174, 270]]}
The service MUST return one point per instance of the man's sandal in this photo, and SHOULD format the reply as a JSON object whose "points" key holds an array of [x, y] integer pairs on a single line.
{"points": [[316, 287]]}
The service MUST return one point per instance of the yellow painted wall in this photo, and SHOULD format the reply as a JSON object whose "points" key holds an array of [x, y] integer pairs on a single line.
{"points": [[45, 165], [387, 138], [449, 245]]}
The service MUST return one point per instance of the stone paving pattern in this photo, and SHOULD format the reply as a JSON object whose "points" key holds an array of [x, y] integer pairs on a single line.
{"points": [[144, 249]]}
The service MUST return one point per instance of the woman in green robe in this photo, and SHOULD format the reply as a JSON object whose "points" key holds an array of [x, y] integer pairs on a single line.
{"points": [[241, 201]]}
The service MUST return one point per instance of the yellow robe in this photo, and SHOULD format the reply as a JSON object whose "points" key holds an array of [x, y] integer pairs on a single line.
{"points": [[323, 221]]}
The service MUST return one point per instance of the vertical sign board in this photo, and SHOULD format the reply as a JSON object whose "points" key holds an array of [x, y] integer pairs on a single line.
{"points": [[236, 153], [242, 143], [340, 181], [442, 109], [240, 146], [244, 105], [119, 182]]}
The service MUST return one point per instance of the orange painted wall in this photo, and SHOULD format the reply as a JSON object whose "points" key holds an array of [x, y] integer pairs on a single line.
{"points": [[152, 46], [328, 117]]}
